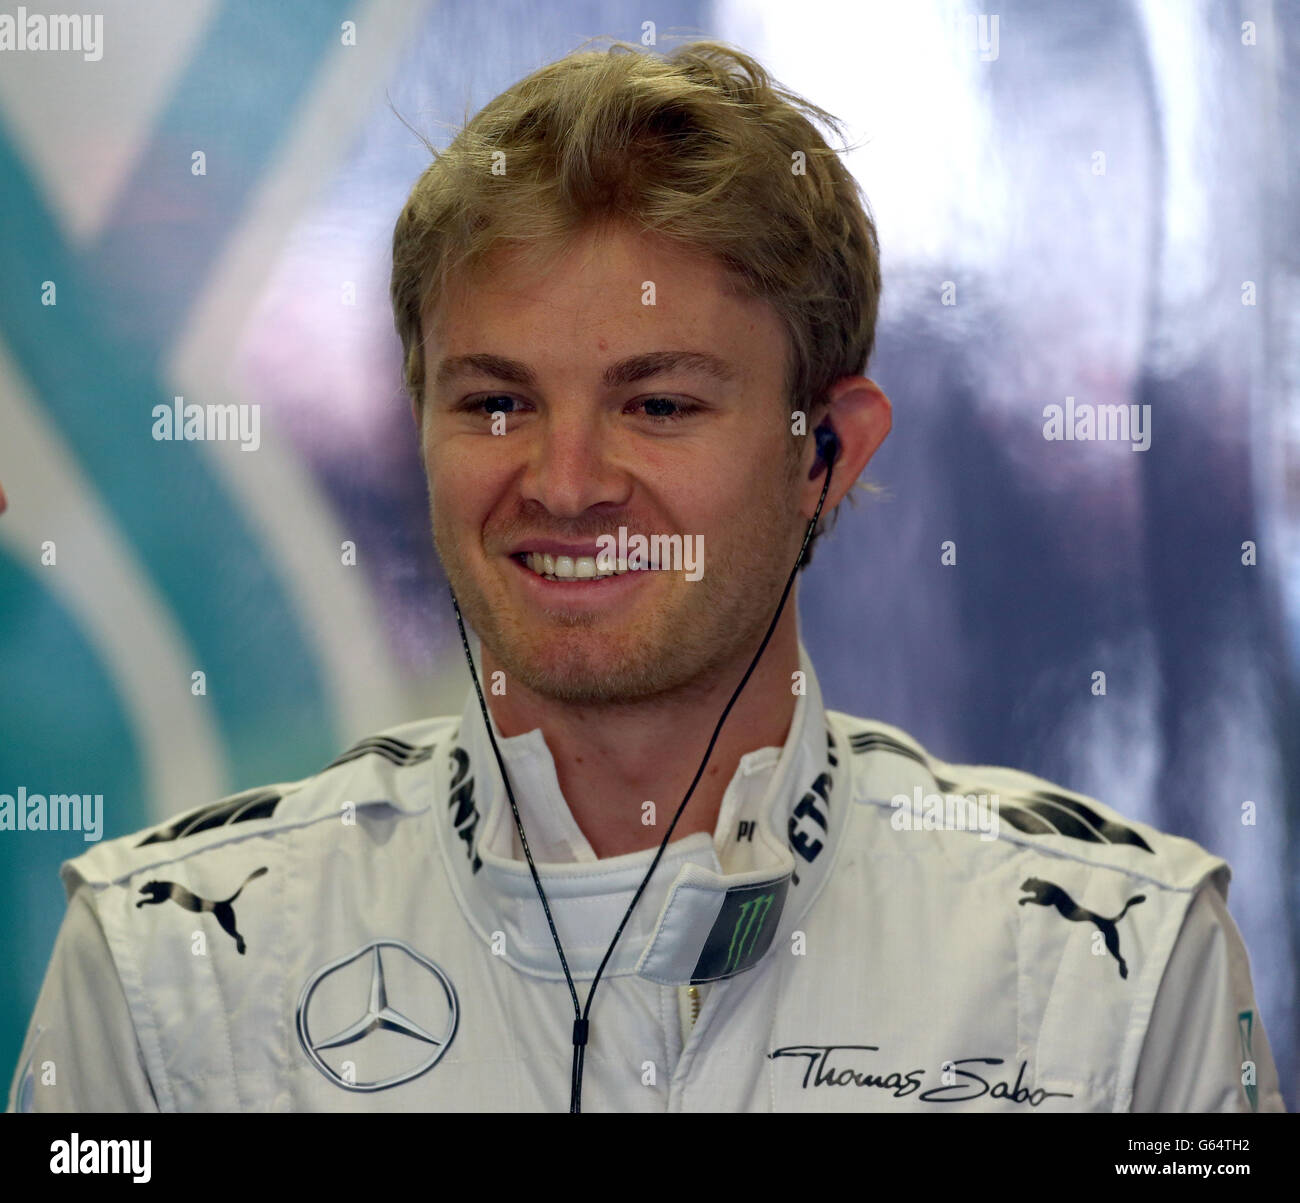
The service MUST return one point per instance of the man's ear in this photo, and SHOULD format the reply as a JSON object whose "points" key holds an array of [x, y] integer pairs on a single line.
{"points": [[861, 416]]}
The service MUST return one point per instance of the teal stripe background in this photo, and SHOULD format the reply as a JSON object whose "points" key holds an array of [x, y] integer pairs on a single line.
{"points": [[94, 363]]}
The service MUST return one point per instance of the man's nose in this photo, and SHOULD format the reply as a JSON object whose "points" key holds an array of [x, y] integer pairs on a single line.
{"points": [[570, 469]]}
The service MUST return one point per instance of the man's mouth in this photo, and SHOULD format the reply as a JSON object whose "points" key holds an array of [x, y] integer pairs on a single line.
{"points": [[571, 568]]}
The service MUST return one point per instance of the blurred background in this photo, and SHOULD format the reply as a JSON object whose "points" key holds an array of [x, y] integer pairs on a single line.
{"points": [[1101, 204]]}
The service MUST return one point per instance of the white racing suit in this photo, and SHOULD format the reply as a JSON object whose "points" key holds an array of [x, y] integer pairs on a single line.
{"points": [[370, 938]]}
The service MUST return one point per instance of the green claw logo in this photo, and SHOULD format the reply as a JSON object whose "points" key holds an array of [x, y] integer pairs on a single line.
{"points": [[749, 924]]}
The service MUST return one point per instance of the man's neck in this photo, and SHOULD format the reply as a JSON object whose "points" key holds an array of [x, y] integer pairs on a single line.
{"points": [[610, 761]]}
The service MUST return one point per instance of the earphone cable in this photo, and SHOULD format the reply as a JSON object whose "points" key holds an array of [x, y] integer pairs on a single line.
{"points": [[581, 1013]]}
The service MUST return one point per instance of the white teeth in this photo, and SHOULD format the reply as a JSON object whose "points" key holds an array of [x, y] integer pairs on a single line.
{"points": [[570, 568]]}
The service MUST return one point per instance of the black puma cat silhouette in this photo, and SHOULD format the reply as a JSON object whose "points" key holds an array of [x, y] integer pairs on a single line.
{"points": [[1045, 893], [160, 891]]}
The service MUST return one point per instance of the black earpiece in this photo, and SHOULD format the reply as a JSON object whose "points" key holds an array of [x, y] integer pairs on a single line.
{"points": [[828, 448]]}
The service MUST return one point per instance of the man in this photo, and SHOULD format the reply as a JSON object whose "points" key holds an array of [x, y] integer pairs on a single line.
{"points": [[627, 294]]}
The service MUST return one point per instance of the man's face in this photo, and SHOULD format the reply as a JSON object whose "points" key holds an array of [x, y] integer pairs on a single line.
{"points": [[679, 450]]}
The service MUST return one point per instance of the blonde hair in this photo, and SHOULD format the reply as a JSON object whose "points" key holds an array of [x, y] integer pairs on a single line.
{"points": [[700, 146]]}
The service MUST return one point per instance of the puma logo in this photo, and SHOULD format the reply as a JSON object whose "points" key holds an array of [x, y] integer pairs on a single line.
{"points": [[160, 891], [1045, 893]]}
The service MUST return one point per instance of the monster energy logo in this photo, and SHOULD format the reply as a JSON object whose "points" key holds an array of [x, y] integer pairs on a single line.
{"points": [[745, 926], [749, 924]]}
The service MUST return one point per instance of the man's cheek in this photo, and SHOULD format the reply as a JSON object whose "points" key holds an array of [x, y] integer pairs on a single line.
{"points": [[448, 510], [459, 514]]}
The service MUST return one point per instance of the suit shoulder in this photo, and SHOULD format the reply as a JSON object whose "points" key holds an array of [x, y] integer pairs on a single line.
{"points": [[381, 771], [889, 766]]}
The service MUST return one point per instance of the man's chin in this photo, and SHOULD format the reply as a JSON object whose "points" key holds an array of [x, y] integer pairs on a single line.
{"points": [[655, 647], [579, 666]]}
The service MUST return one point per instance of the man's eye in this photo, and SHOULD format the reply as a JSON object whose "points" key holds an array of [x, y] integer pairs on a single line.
{"points": [[494, 403], [666, 409]]}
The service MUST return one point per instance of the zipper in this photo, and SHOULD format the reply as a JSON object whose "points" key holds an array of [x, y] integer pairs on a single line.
{"points": [[688, 1008]]}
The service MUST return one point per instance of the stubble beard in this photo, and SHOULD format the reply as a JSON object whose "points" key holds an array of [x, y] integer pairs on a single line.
{"points": [[682, 644]]}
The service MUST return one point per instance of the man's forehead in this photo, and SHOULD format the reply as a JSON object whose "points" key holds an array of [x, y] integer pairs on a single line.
{"points": [[631, 305], [600, 270]]}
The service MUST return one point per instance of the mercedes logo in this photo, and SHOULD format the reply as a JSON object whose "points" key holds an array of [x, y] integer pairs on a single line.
{"points": [[438, 1009]]}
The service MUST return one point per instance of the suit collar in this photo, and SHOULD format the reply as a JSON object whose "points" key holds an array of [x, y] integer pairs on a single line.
{"points": [[712, 907]]}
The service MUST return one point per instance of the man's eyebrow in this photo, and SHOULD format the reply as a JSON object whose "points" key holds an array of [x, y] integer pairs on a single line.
{"points": [[655, 363], [482, 364], [626, 371]]}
